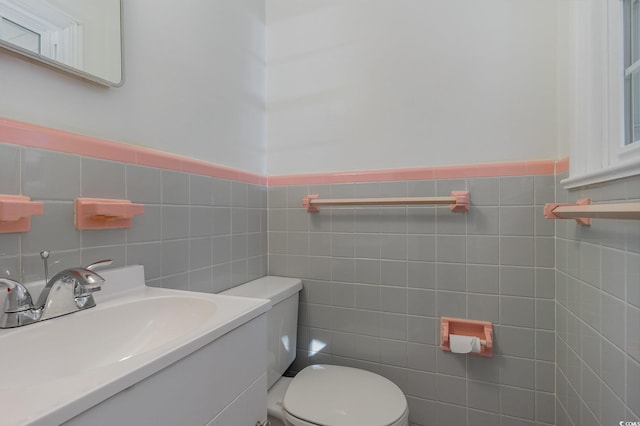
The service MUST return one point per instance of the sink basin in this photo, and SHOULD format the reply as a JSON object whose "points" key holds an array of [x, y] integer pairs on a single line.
{"points": [[104, 336], [54, 370]]}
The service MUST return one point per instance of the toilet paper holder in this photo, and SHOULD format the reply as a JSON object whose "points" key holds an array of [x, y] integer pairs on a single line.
{"points": [[465, 327]]}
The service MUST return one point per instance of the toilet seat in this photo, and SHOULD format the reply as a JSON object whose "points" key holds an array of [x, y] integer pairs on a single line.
{"points": [[331, 395], [294, 421]]}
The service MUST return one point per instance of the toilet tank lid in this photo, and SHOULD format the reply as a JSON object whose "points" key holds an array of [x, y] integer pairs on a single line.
{"points": [[344, 396], [270, 287]]}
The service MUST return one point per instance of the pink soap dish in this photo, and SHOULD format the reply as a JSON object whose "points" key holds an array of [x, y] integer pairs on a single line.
{"points": [[101, 213], [16, 212]]}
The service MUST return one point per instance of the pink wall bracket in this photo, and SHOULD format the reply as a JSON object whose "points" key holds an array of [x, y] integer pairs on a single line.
{"points": [[16, 212], [550, 207], [462, 201], [464, 327], [100, 213], [306, 203]]}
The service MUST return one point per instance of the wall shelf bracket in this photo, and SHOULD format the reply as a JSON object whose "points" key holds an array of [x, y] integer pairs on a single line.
{"points": [[555, 211]]}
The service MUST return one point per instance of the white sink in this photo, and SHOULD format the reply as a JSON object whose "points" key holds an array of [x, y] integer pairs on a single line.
{"points": [[56, 369]]}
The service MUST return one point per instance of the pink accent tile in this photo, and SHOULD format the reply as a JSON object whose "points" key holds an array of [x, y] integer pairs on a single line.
{"points": [[541, 167], [454, 172], [225, 173], [375, 176], [222, 172], [416, 174], [503, 169], [369, 176], [562, 165], [310, 179], [197, 167], [343, 177], [426, 173], [161, 160], [33, 136], [445, 172], [96, 148]]}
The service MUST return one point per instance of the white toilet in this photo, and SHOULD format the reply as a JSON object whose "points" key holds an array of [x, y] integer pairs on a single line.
{"points": [[319, 395]]}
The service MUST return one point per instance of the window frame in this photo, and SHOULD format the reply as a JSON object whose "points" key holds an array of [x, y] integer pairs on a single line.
{"points": [[61, 35], [6, 22], [597, 97]]}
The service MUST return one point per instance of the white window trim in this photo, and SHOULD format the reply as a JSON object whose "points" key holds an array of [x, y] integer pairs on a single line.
{"points": [[62, 35], [596, 95]]}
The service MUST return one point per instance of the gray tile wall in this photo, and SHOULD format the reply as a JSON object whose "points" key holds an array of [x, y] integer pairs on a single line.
{"points": [[377, 280], [598, 313], [197, 233]]}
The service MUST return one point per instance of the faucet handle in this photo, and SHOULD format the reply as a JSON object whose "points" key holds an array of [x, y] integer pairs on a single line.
{"points": [[87, 281], [18, 297], [99, 264]]}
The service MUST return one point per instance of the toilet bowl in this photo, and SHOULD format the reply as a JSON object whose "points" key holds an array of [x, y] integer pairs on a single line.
{"points": [[319, 395], [343, 396]]}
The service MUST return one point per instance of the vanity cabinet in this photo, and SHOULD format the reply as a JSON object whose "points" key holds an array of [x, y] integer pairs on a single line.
{"points": [[223, 383]]}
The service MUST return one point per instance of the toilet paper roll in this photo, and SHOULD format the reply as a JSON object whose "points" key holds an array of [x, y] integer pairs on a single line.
{"points": [[464, 344]]}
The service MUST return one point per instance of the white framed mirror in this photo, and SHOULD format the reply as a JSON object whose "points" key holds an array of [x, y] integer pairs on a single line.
{"points": [[83, 37]]}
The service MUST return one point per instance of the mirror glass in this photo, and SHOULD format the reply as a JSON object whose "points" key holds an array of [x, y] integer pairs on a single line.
{"points": [[83, 37]]}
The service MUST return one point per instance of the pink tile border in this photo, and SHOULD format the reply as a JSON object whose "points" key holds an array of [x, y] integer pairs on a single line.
{"points": [[33, 136], [522, 168], [562, 165]]}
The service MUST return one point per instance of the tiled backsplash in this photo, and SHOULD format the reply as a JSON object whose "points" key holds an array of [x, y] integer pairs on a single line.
{"points": [[377, 279], [598, 313], [197, 232]]}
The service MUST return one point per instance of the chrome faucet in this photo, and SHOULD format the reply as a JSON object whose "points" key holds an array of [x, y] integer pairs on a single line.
{"points": [[68, 291], [18, 307]]}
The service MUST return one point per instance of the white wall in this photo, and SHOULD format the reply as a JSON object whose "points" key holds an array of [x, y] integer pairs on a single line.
{"points": [[194, 84], [382, 84], [565, 79], [352, 84]]}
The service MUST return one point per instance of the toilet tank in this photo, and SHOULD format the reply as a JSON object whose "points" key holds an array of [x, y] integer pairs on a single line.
{"points": [[282, 319]]}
